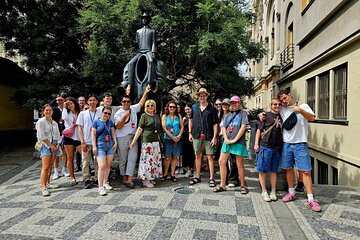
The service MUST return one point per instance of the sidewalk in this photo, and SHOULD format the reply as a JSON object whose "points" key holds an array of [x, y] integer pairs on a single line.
{"points": [[162, 213]]}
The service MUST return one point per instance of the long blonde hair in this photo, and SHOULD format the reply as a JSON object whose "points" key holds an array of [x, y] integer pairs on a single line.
{"points": [[150, 101]]}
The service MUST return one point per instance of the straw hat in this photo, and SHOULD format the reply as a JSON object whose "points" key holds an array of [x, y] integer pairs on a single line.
{"points": [[203, 90]]}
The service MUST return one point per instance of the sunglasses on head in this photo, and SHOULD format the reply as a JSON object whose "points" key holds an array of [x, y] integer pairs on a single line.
{"points": [[107, 113], [150, 105], [126, 101]]}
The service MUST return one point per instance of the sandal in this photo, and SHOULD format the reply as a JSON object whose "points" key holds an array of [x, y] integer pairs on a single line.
{"points": [[173, 178], [164, 178], [212, 183], [219, 189], [194, 181], [244, 190]]}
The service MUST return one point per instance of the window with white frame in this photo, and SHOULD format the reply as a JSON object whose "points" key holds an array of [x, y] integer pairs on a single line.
{"points": [[320, 99], [340, 92], [324, 96]]}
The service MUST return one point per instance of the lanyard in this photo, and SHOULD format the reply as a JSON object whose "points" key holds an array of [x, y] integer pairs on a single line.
{"points": [[155, 128], [92, 118], [51, 129]]}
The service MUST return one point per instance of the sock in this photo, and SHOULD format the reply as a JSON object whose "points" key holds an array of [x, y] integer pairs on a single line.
{"points": [[264, 190], [273, 190], [310, 197], [292, 190]]}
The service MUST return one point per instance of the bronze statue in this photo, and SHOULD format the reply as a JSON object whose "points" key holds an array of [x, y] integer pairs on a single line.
{"points": [[144, 69]]}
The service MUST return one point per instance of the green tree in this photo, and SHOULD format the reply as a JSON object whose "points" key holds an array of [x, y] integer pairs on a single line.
{"points": [[201, 42], [45, 33]]}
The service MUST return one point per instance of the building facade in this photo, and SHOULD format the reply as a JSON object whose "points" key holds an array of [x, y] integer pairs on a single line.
{"points": [[313, 48]]}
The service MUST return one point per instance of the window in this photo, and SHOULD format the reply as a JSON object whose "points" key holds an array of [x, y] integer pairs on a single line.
{"points": [[324, 96], [340, 92], [322, 172], [335, 180], [311, 93]]}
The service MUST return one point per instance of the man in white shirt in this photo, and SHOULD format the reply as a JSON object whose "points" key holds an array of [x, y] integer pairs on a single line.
{"points": [[295, 149], [84, 123], [126, 125]]}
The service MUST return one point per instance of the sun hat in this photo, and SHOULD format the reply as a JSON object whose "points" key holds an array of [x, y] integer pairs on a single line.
{"points": [[203, 90], [226, 101], [234, 99]]}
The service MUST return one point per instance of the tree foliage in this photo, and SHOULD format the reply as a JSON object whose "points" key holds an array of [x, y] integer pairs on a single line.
{"points": [[45, 33], [82, 46]]}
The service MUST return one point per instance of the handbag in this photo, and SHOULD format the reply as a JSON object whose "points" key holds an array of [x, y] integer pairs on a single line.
{"points": [[69, 132], [38, 145], [290, 122]]}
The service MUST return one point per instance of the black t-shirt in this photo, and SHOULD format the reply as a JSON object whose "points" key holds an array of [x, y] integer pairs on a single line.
{"points": [[203, 121], [272, 139]]}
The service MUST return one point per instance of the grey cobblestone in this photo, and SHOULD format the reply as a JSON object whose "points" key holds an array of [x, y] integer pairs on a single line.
{"points": [[160, 213]]}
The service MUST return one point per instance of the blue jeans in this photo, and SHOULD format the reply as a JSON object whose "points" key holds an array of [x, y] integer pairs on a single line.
{"points": [[295, 153]]}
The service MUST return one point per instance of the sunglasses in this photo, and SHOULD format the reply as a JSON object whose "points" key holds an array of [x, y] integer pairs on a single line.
{"points": [[107, 113], [126, 101], [173, 107], [150, 105], [277, 104], [217, 104]]}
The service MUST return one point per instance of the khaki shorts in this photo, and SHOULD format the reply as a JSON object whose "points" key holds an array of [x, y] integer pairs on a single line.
{"points": [[199, 144]]}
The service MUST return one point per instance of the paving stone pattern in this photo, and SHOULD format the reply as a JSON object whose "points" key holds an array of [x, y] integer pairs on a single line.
{"points": [[161, 213]]}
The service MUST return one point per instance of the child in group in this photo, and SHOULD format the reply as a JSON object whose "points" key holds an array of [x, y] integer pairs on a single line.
{"points": [[269, 136]]}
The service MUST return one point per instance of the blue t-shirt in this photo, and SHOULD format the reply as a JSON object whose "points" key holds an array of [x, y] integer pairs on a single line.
{"points": [[172, 124], [103, 129]]}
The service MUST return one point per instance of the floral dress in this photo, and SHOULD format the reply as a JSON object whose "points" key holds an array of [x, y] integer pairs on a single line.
{"points": [[150, 165]]}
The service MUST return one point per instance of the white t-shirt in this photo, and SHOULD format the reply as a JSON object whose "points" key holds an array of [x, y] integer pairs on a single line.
{"points": [[297, 134], [129, 126], [86, 119], [69, 119]]}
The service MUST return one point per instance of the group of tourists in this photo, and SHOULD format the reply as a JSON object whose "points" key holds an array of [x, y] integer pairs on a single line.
{"points": [[170, 140]]}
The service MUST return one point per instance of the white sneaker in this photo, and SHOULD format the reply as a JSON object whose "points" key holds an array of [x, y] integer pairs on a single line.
{"points": [[52, 186], [64, 172], [55, 175], [45, 192], [188, 173], [107, 186], [148, 184], [266, 197], [102, 191], [231, 185], [273, 196]]}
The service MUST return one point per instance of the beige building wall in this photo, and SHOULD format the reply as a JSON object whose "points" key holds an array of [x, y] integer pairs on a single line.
{"points": [[324, 35]]}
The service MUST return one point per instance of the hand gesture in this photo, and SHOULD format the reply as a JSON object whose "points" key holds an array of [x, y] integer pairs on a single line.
{"points": [[147, 89]]}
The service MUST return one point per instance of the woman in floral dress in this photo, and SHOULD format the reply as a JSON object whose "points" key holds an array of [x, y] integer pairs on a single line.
{"points": [[150, 165]]}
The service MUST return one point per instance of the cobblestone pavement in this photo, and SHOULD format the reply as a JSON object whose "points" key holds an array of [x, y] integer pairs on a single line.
{"points": [[162, 213]]}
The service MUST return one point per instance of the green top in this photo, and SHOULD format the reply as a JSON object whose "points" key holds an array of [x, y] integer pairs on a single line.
{"points": [[151, 124]]}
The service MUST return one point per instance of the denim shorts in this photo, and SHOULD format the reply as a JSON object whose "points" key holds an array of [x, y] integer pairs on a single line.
{"points": [[171, 148], [105, 148], [295, 153], [268, 160], [46, 151]]}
